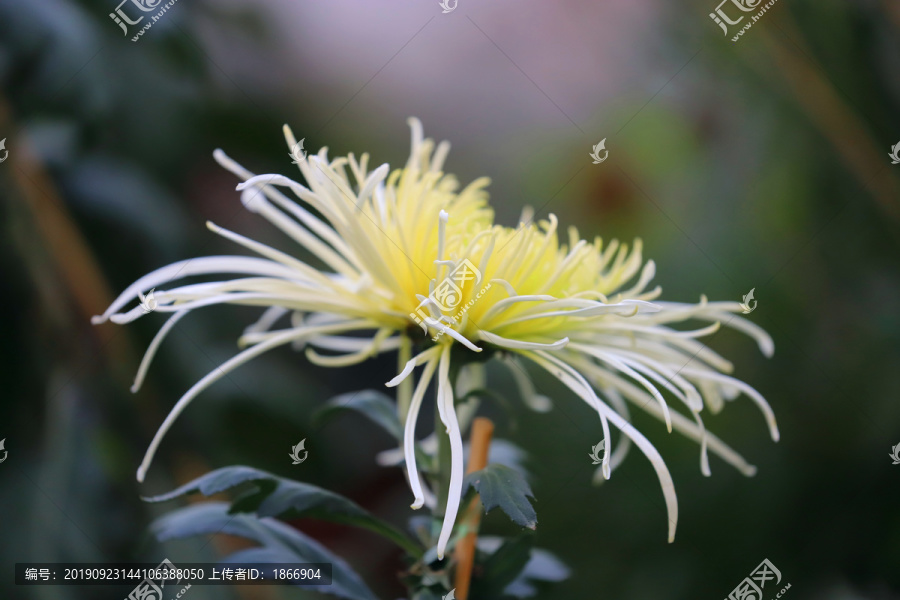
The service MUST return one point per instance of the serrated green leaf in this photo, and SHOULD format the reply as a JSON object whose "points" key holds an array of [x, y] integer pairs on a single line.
{"points": [[275, 496], [276, 539], [376, 406], [498, 485]]}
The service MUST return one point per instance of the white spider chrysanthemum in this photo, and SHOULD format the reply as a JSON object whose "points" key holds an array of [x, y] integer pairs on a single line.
{"points": [[407, 250]]}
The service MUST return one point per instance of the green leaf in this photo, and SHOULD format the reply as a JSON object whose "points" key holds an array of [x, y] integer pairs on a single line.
{"points": [[275, 496], [378, 407], [215, 482], [260, 554], [489, 394], [276, 539], [503, 567], [545, 566], [542, 566], [501, 486]]}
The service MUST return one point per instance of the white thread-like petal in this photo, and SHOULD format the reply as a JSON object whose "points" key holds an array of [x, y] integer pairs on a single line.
{"points": [[448, 417], [409, 433]]}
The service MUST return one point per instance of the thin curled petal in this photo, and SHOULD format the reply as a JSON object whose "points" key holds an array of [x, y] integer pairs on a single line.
{"points": [[662, 472], [409, 433], [448, 417]]}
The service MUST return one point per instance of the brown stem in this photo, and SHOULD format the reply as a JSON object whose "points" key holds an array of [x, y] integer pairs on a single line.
{"points": [[482, 430]]}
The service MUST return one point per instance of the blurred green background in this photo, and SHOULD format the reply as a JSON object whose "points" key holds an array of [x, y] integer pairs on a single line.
{"points": [[757, 164]]}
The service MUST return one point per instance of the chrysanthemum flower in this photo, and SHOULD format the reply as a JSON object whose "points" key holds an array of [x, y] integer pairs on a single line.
{"points": [[402, 253]]}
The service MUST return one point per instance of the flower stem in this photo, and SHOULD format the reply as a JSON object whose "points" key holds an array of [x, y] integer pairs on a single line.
{"points": [[482, 430], [404, 390]]}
